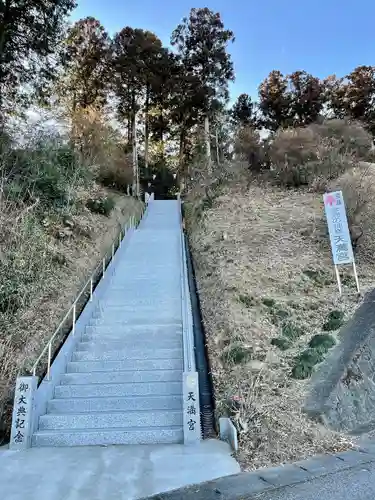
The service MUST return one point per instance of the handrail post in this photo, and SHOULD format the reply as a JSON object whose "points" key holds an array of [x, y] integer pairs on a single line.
{"points": [[103, 266], [74, 317], [49, 360], [91, 288], [113, 250]]}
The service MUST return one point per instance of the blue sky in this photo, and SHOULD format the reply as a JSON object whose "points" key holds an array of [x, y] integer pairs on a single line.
{"points": [[322, 36]]}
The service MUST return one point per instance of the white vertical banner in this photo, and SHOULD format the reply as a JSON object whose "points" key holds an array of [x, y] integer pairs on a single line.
{"points": [[339, 234]]}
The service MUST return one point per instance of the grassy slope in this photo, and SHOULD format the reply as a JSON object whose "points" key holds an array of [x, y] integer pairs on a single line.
{"points": [[254, 251], [24, 333]]}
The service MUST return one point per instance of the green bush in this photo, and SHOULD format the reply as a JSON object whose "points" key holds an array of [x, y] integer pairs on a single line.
{"points": [[282, 343], [47, 169], [334, 321], [322, 343], [305, 362], [247, 300], [103, 206], [236, 354], [291, 330], [268, 302], [278, 315], [320, 277], [39, 180], [302, 371]]}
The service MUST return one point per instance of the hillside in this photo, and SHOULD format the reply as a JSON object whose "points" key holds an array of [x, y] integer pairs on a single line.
{"points": [[52, 260], [267, 288]]}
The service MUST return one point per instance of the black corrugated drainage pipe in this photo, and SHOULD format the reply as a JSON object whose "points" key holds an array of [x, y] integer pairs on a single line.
{"points": [[204, 373]]}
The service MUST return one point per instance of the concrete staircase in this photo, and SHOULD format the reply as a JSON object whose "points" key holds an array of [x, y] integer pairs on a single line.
{"points": [[123, 384]]}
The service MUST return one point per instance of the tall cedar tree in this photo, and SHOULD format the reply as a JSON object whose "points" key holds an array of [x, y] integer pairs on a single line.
{"points": [[242, 112], [136, 62], [155, 72], [163, 92], [275, 101], [30, 32], [86, 59], [202, 43], [188, 99]]}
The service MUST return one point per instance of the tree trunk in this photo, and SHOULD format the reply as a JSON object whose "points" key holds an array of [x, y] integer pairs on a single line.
{"points": [[181, 159], [147, 104], [161, 131], [134, 147], [208, 142], [6, 20], [217, 148], [134, 154], [135, 157], [129, 127], [181, 152]]}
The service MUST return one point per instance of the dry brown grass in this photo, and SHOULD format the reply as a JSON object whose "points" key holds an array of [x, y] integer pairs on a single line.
{"points": [[316, 154], [258, 242]]}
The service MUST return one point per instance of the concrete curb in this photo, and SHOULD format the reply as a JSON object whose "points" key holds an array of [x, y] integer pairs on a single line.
{"points": [[247, 484]]}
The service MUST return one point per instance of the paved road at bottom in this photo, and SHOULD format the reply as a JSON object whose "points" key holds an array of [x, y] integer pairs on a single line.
{"points": [[357, 483]]}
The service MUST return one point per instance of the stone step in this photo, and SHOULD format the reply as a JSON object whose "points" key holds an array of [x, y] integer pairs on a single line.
{"points": [[101, 344], [138, 276], [136, 279], [141, 287], [125, 289], [134, 319], [124, 312], [142, 337], [125, 365], [110, 420], [142, 352], [76, 405], [106, 437], [147, 264], [119, 301], [120, 377], [124, 383], [123, 390], [140, 329], [144, 283]]}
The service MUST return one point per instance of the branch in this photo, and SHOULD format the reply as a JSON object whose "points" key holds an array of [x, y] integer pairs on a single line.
{"points": [[27, 210]]}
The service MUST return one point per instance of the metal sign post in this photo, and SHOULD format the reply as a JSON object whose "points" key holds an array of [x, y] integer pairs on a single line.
{"points": [[341, 244]]}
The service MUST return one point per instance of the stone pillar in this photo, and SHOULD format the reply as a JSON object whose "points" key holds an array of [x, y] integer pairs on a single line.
{"points": [[22, 419], [192, 415]]}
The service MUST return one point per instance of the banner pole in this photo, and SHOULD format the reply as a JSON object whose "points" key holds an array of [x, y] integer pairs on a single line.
{"points": [[356, 276], [338, 279]]}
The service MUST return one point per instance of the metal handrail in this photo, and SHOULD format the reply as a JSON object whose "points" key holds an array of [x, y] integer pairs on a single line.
{"points": [[187, 316], [132, 223]]}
